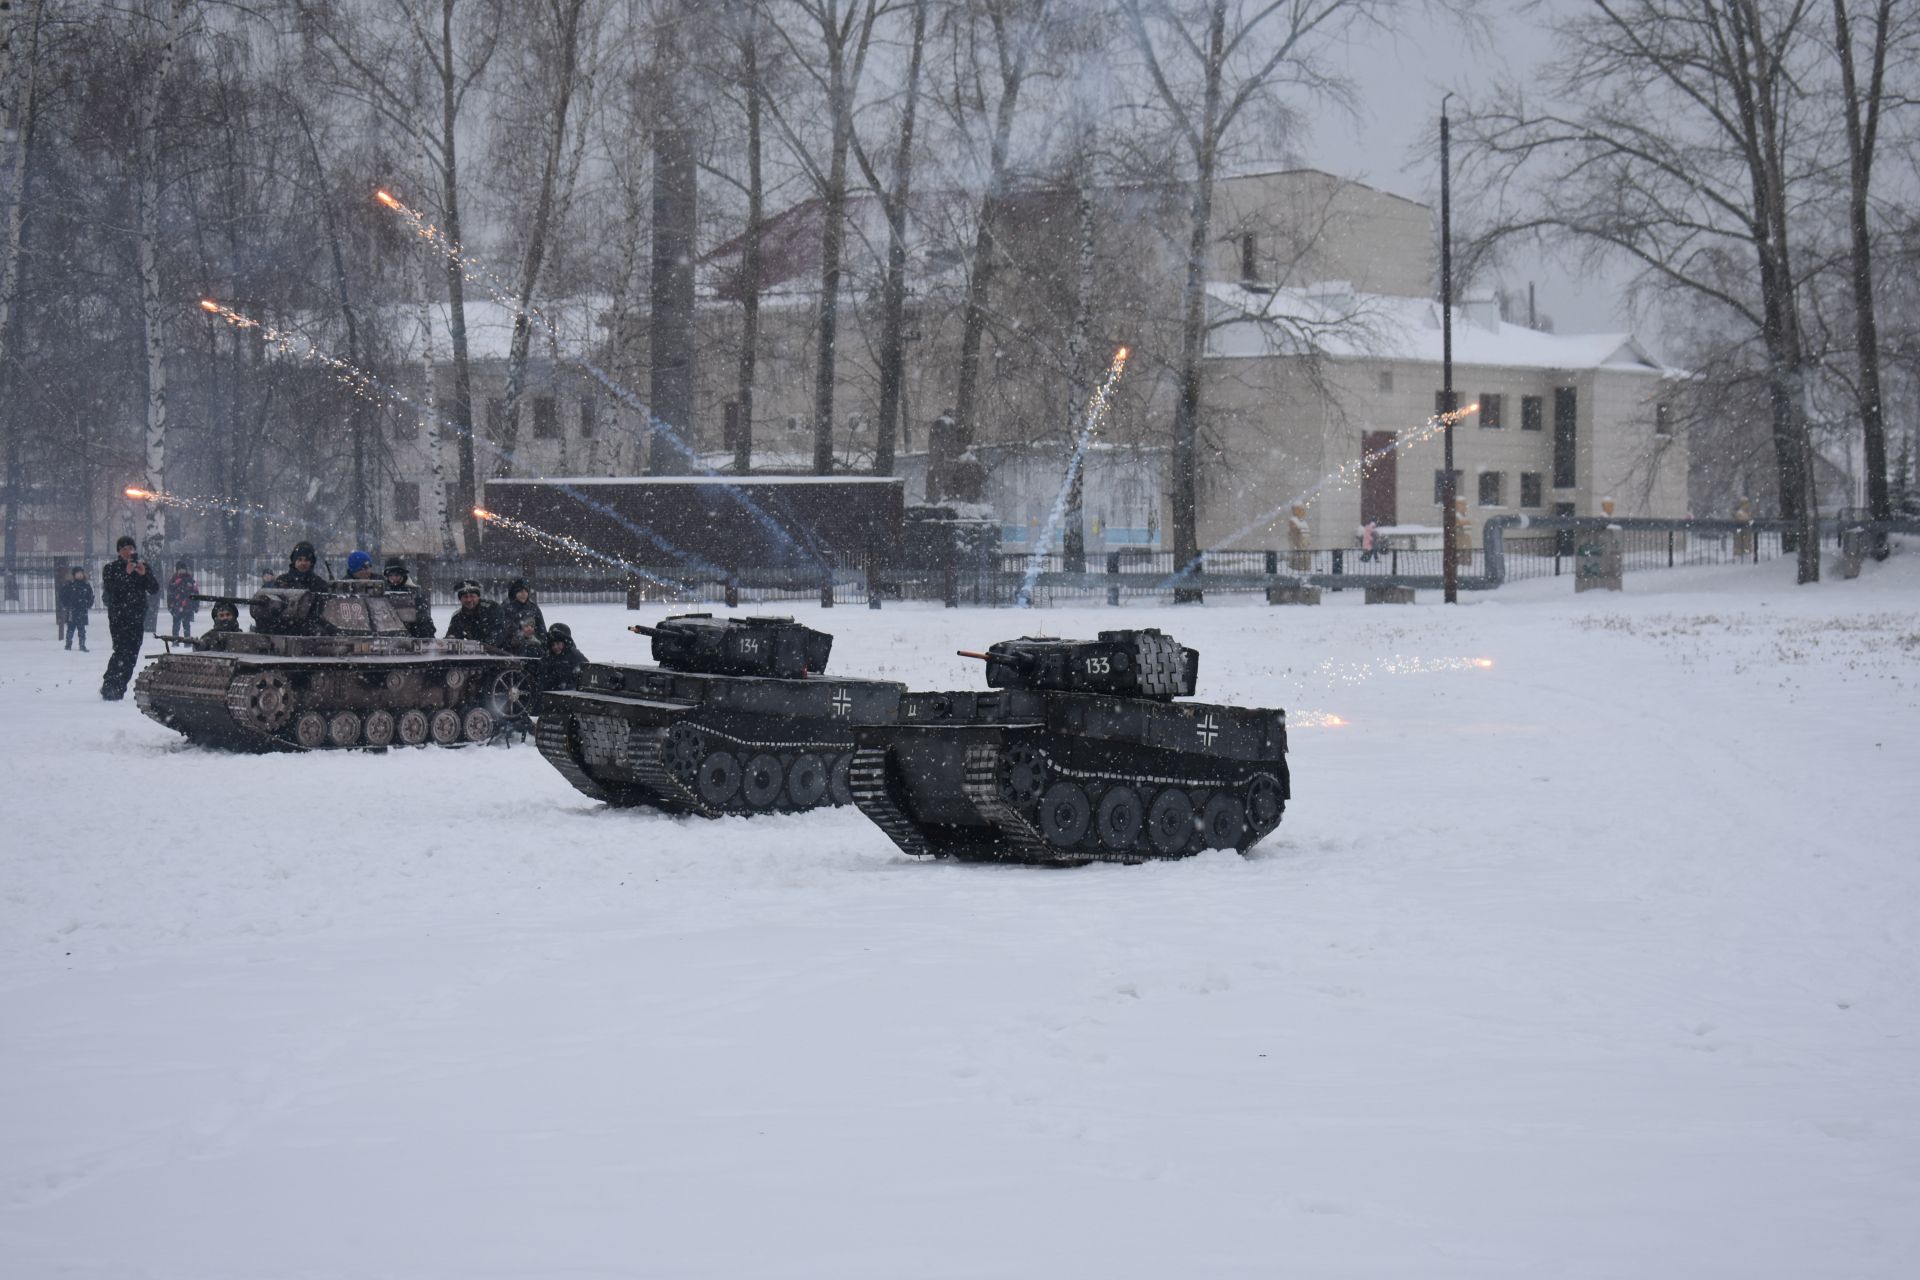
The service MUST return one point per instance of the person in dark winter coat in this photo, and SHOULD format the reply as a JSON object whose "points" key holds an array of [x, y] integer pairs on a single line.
{"points": [[527, 644], [560, 667], [127, 586], [359, 565], [226, 616], [181, 589], [519, 604], [300, 574], [475, 619], [76, 600], [410, 602]]}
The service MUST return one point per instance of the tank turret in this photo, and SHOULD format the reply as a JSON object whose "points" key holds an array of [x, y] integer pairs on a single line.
{"points": [[1129, 664], [776, 647]]}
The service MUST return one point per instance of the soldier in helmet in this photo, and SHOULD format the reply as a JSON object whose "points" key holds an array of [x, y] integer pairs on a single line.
{"points": [[476, 618], [559, 667], [300, 574], [410, 602], [226, 616]]}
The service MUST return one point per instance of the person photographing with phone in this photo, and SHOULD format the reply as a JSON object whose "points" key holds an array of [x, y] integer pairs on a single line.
{"points": [[125, 584]]}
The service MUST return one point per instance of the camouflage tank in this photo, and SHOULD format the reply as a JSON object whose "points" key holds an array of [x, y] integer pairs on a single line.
{"points": [[1082, 755], [330, 669], [736, 719]]}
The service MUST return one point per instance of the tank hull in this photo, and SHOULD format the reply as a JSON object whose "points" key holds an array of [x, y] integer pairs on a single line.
{"points": [[1065, 779], [711, 745], [389, 693]]}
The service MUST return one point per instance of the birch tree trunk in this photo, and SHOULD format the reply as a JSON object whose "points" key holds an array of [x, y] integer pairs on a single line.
{"points": [[154, 309], [1079, 388], [441, 525], [19, 76], [893, 343], [751, 267]]}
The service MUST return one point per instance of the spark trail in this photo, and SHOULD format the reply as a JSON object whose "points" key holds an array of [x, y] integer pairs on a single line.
{"points": [[1346, 473], [209, 506], [476, 274], [367, 384], [1097, 406], [567, 545]]}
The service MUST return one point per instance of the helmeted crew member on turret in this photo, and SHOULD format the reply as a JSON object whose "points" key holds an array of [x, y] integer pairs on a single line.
{"points": [[475, 619], [360, 565], [126, 586], [300, 574], [410, 602], [226, 616], [518, 605], [559, 667]]}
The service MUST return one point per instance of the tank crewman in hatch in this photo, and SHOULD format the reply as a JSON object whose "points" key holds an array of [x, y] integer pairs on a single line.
{"points": [[360, 565], [475, 619], [226, 616], [519, 604], [560, 667], [410, 602], [300, 574], [126, 585]]}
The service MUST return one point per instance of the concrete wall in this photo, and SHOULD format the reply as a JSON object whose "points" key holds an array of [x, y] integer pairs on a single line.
{"points": [[1310, 227]]}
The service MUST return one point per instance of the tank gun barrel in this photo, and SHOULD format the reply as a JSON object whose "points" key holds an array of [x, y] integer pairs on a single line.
{"points": [[222, 599], [639, 630]]}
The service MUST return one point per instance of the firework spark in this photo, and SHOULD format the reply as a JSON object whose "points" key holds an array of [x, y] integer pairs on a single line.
{"points": [[1097, 405], [1314, 720], [206, 506], [565, 544]]}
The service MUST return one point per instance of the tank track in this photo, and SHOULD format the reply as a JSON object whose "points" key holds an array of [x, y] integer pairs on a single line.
{"points": [[667, 776], [212, 702], [1012, 829]]}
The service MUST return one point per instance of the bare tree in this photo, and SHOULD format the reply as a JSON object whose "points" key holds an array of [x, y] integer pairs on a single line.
{"points": [[1211, 62], [19, 80], [1677, 150]]}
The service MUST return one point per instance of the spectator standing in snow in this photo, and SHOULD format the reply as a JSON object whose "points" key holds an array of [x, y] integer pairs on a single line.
{"points": [[181, 589], [76, 599], [127, 586], [1368, 550]]}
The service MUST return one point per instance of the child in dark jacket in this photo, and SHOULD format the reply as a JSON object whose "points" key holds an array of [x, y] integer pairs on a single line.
{"points": [[75, 600]]}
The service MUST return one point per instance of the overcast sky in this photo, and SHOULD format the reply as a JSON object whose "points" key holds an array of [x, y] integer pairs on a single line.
{"points": [[1401, 76]]}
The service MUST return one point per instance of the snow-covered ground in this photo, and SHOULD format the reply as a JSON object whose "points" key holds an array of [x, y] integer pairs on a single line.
{"points": [[1598, 962]]}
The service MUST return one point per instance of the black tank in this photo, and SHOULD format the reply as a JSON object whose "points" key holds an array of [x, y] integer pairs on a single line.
{"points": [[330, 669], [737, 718], [1081, 754]]}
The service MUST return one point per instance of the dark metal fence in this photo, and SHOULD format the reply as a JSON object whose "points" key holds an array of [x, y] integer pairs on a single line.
{"points": [[1520, 553]]}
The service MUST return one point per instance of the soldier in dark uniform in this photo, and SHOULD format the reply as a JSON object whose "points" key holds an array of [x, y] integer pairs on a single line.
{"points": [[226, 616], [560, 667], [126, 586], [300, 574], [475, 619], [410, 602], [518, 605]]}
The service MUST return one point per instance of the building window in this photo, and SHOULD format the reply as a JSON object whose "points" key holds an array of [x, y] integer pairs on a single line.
{"points": [[1250, 258], [1490, 410], [1490, 486], [406, 500], [589, 417], [1663, 419], [793, 422], [1530, 490], [1439, 486], [1566, 415], [1386, 380], [546, 421], [1531, 418]]}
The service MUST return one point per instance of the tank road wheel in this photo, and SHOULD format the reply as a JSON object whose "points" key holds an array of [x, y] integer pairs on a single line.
{"points": [[719, 778], [413, 727], [1121, 814], [1264, 805], [761, 785], [343, 729], [1064, 813], [310, 730], [478, 724], [379, 727], [510, 696], [1223, 822], [840, 782], [685, 748], [806, 780], [268, 700], [1170, 822], [1023, 776], [445, 726]]}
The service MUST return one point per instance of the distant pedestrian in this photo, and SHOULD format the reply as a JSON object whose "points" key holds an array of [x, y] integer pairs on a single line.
{"points": [[181, 589], [127, 586], [76, 600], [1369, 550]]}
